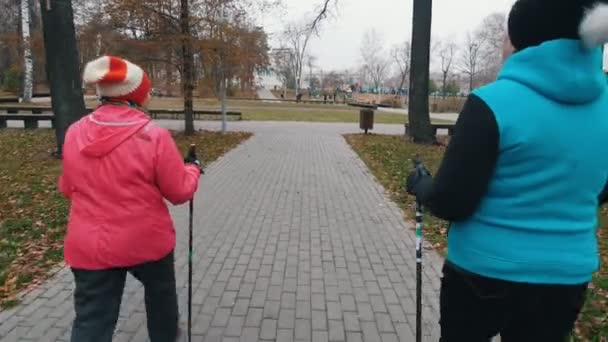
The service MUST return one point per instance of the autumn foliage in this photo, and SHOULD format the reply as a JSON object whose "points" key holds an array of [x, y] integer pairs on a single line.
{"points": [[223, 34]]}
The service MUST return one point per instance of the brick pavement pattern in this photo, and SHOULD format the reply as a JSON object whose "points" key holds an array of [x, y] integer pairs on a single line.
{"points": [[294, 241]]}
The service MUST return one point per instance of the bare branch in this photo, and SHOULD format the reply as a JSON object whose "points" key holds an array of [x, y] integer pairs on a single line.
{"points": [[321, 15]]}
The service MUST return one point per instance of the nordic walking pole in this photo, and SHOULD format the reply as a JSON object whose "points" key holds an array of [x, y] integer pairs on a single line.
{"points": [[418, 271], [190, 251], [420, 170], [190, 273]]}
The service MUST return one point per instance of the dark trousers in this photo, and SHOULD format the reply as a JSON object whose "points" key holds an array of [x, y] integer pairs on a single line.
{"points": [[475, 309], [99, 293]]}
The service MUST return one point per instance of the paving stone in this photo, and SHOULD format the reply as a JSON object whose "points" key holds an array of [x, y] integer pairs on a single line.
{"points": [[354, 337], [285, 335], [370, 332], [250, 334], [366, 313], [319, 320], [320, 336], [240, 307], [271, 309], [348, 303], [287, 319], [378, 304], [288, 300], [336, 331], [254, 317], [351, 322], [269, 329], [303, 329], [334, 310], [384, 323], [221, 317], [303, 310], [235, 326]]}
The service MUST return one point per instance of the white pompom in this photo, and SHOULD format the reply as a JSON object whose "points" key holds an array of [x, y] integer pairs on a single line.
{"points": [[594, 27]]}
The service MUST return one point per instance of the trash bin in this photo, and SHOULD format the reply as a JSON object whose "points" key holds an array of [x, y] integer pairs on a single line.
{"points": [[366, 119]]}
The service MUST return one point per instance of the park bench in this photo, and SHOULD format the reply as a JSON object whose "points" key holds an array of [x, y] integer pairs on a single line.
{"points": [[30, 121], [363, 105], [31, 115], [198, 114], [27, 109], [9, 99], [435, 126]]}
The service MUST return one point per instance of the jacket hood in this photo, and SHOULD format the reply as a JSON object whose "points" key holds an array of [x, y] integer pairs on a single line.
{"points": [[562, 70], [108, 127]]}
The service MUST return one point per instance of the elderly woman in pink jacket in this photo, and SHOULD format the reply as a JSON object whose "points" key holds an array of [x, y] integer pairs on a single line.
{"points": [[118, 169]]}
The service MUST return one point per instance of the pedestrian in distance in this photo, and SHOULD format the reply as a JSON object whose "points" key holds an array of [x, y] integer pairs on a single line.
{"points": [[522, 180], [118, 170]]}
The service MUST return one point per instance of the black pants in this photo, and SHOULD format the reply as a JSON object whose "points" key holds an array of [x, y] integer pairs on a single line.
{"points": [[99, 293], [475, 309]]}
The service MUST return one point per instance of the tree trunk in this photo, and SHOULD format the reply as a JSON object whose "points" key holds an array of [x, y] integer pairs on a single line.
{"points": [[168, 74], [187, 61], [419, 117], [62, 66], [403, 78], [471, 82], [223, 99], [444, 84], [28, 61]]}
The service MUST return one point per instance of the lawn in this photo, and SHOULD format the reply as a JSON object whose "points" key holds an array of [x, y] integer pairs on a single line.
{"points": [[277, 111], [390, 160], [33, 214], [284, 111]]}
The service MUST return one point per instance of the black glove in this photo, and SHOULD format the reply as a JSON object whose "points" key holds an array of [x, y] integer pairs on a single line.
{"points": [[419, 179], [192, 158]]}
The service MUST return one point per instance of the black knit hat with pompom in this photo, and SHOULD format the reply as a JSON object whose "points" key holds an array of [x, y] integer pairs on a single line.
{"points": [[533, 22]]}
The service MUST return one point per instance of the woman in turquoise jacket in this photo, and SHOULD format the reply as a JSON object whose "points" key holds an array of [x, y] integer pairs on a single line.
{"points": [[522, 180]]}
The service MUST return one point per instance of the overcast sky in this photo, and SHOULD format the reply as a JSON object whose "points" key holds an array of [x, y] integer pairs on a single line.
{"points": [[338, 46]]}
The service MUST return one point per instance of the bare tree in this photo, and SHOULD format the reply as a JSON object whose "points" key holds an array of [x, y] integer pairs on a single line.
{"points": [[471, 57], [282, 60], [322, 13], [446, 52], [402, 56], [493, 32], [28, 73], [372, 52], [297, 37]]}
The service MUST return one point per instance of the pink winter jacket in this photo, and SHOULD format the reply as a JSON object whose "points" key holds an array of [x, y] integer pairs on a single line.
{"points": [[118, 167]]}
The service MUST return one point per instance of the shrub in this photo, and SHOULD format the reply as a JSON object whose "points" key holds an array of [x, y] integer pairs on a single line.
{"points": [[12, 79]]}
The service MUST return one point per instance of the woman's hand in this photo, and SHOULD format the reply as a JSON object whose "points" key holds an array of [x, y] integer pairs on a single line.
{"points": [[419, 178], [192, 158]]}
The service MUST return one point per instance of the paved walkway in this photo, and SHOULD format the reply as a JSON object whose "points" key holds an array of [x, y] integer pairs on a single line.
{"points": [[294, 241]]}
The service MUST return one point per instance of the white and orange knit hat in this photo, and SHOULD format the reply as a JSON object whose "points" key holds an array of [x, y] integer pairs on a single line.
{"points": [[118, 79]]}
